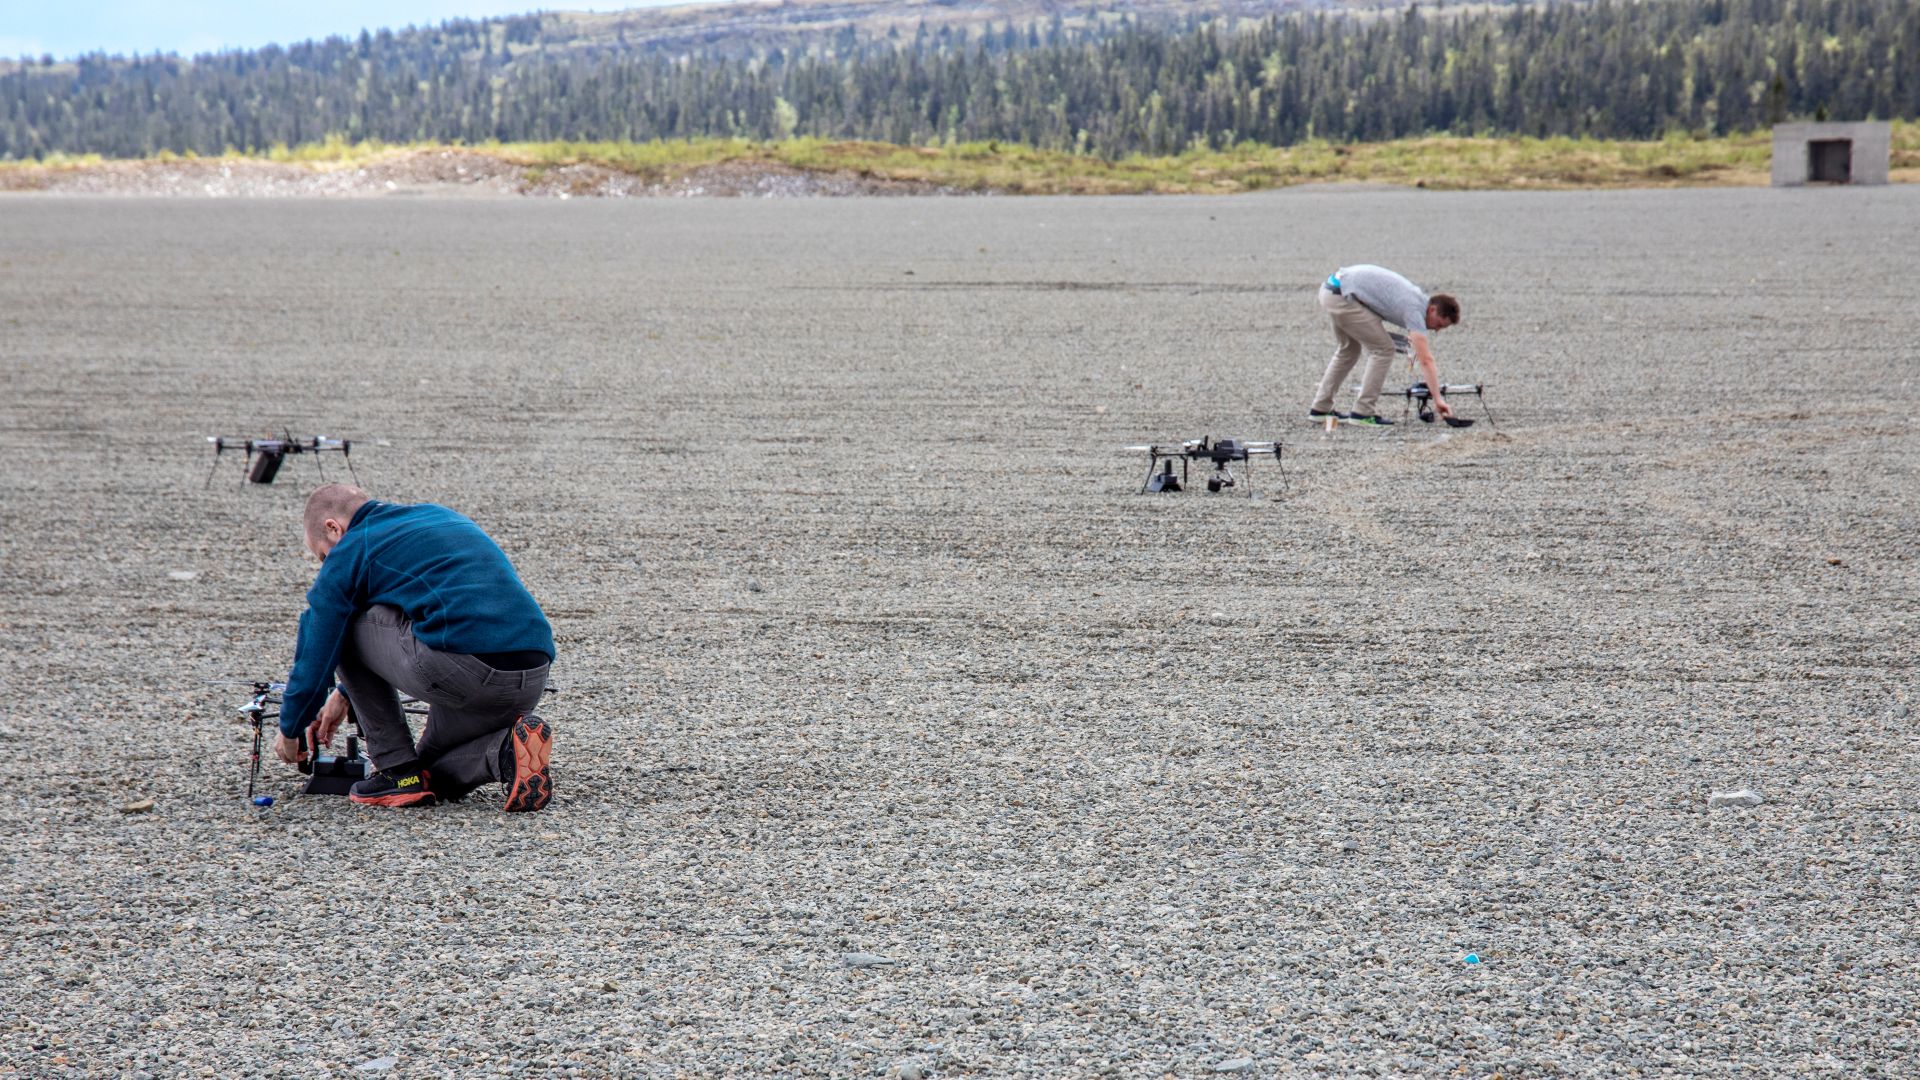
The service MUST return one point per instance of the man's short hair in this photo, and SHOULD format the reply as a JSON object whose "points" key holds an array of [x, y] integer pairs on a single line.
{"points": [[1447, 306], [332, 501]]}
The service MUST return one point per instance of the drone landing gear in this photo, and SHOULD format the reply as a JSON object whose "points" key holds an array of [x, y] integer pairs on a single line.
{"points": [[1164, 480]]}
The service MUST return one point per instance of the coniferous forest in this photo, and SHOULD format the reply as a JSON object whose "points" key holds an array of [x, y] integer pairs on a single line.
{"points": [[1110, 88]]}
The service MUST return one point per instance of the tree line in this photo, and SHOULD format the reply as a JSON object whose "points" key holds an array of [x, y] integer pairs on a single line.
{"points": [[1603, 68]]}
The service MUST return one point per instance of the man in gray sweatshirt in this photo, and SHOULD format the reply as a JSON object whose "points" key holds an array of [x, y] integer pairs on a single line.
{"points": [[1361, 300]]}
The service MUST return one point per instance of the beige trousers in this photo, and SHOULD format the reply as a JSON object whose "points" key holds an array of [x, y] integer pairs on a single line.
{"points": [[1355, 328]]}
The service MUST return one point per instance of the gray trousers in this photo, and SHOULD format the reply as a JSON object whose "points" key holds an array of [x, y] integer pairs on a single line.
{"points": [[1355, 328], [470, 706]]}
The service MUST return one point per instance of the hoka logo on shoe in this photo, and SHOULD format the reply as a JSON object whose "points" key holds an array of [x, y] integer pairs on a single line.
{"points": [[407, 781]]}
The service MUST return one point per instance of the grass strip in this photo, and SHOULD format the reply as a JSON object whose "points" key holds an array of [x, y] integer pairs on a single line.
{"points": [[1452, 163]]}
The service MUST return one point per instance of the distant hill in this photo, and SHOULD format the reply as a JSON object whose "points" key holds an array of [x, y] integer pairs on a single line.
{"points": [[745, 26], [1108, 79], [783, 23]]}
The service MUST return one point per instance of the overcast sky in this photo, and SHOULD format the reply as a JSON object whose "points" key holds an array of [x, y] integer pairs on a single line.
{"points": [[67, 28]]}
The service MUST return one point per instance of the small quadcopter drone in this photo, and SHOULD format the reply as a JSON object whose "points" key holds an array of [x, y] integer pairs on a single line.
{"points": [[1222, 453], [273, 452], [1419, 400]]}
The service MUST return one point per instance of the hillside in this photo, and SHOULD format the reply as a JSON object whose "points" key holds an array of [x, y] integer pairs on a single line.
{"points": [[751, 24]]}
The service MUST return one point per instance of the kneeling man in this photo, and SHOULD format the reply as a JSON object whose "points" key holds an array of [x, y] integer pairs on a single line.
{"points": [[417, 599]]}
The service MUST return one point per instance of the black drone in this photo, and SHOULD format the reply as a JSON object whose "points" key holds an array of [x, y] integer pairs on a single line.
{"points": [[1222, 453], [1420, 400], [261, 469]]}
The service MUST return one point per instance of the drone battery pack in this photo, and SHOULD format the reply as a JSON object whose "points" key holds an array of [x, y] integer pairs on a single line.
{"points": [[330, 785], [265, 467], [335, 775]]}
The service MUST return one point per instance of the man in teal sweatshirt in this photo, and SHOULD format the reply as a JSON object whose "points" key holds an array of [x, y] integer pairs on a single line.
{"points": [[417, 599]]}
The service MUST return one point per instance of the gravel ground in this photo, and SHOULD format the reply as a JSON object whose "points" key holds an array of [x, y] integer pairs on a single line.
{"points": [[869, 649]]}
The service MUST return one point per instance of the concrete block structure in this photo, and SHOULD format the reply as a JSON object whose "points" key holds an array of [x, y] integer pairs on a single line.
{"points": [[1822, 153]]}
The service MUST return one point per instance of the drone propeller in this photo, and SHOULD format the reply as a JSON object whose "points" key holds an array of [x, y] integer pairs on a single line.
{"points": [[1206, 449]]}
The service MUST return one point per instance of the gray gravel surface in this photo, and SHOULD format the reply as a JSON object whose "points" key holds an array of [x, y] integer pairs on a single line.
{"points": [[870, 650]]}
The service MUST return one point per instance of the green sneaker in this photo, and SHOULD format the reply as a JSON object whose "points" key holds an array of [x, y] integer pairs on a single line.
{"points": [[1368, 421]]}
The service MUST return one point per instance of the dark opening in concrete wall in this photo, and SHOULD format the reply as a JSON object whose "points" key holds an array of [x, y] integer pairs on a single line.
{"points": [[1830, 161]]}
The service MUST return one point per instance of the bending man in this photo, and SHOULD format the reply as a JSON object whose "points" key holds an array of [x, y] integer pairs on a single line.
{"points": [[418, 599], [1360, 300]]}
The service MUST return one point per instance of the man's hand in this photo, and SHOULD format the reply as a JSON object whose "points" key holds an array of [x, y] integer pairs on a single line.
{"points": [[287, 749], [1430, 370], [331, 715]]}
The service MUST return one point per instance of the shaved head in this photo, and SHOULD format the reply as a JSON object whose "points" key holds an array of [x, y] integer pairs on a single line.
{"points": [[331, 505]]}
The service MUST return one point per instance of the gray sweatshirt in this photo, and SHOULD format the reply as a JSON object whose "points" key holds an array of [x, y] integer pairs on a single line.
{"points": [[1386, 294]]}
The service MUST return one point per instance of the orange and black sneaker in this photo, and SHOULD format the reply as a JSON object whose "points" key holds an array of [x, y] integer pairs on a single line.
{"points": [[523, 764], [406, 786]]}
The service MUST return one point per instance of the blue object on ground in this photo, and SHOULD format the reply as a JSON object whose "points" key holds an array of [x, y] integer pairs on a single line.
{"points": [[1472, 958], [263, 800]]}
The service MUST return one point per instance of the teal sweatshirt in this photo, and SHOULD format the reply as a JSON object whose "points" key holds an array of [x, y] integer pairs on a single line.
{"points": [[433, 564]]}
